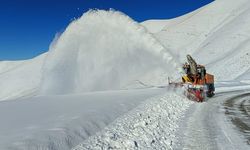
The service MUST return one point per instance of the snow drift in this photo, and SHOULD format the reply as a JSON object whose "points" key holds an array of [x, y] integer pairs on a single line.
{"points": [[104, 50]]}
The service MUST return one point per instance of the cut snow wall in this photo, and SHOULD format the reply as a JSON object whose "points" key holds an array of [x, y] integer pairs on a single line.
{"points": [[104, 50]]}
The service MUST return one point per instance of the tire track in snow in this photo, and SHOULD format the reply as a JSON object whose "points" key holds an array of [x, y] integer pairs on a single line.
{"points": [[237, 109], [206, 127]]}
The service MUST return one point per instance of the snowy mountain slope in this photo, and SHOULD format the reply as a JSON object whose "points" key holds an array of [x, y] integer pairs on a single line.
{"points": [[230, 47], [192, 31], [21, 78], [6, 66], [105, 50], [155, 26], [216, 37]]}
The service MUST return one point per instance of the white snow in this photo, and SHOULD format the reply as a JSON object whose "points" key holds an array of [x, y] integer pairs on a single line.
{"points": [[62, 121], [155, 26], [21, 78], [216, 37], [206, 126], [91, 79], [152, 125]]}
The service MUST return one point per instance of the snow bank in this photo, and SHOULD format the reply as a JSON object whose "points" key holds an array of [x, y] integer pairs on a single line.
{"points": [[104, 50], [150, 126], [62, 122]]}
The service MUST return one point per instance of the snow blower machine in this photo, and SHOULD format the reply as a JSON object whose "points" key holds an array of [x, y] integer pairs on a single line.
{"points": [[197, 83]]}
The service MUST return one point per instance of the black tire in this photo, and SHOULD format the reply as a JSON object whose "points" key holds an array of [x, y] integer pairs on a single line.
{"points": [[210, 94]]}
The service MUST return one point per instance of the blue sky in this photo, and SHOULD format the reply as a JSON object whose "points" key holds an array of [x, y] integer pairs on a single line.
{"points": [[27, 27]]}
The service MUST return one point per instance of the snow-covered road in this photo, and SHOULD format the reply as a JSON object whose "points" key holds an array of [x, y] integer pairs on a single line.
{"points": [[208, 126], [237, 109]]}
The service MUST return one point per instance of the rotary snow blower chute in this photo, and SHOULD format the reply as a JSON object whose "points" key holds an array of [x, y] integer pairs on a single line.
{"points": [[196, 81]]}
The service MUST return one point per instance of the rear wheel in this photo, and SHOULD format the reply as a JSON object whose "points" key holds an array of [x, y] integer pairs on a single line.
{"points": [[210, 88], [210, 93]]}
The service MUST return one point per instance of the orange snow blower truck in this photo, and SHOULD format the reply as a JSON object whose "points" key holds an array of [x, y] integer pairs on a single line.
{"points": [[197, 82]]}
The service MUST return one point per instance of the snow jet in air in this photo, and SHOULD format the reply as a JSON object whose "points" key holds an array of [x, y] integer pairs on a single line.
{"points": [[104, 50]]}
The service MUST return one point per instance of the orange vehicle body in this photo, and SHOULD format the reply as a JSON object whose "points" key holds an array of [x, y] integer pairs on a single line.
{"points": [[209, 79]]}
